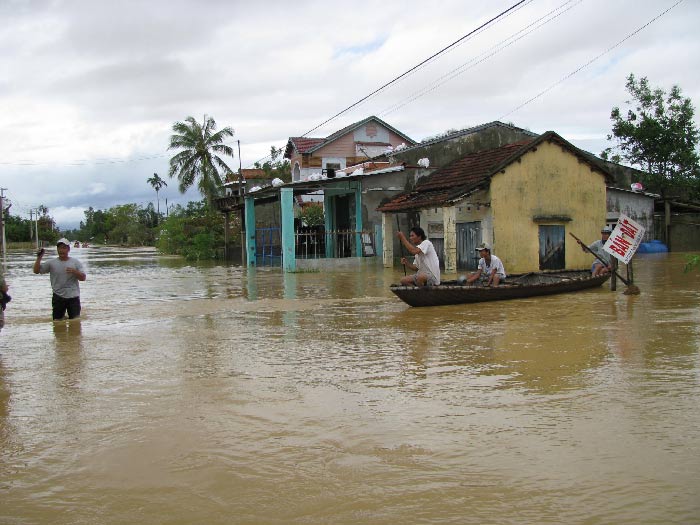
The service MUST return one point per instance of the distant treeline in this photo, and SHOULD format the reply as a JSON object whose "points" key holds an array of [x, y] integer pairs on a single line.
{"points": [[195, 231]]}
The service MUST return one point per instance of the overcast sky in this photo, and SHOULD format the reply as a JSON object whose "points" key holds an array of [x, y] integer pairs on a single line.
{"points": [[90, 89]]}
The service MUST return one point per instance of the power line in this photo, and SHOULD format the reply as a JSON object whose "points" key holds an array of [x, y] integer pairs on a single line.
{"points": [[414, 68], [552, 86], [502, 45], [411, 70], [86, 162]]}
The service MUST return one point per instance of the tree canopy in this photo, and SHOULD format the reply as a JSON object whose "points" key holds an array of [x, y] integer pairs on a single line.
{"points": [[277, 166], [157, 183], [657, 135], [199, 160]]}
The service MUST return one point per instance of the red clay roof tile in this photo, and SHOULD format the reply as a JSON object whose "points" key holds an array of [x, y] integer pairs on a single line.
{"points": [[471, 172]]}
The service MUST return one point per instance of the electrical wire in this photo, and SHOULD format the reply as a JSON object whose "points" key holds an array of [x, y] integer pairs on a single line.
{"points": [[566, 77], [416, 67], [459, 41], [502, 45], [86, 162]]}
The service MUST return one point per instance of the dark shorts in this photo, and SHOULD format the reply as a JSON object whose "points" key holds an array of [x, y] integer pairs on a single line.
{"points": [[61, 305]]}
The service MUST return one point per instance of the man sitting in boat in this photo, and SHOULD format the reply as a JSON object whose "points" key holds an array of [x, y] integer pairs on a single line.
{"points": [[426, 263], [490, 269], [598, 268]]}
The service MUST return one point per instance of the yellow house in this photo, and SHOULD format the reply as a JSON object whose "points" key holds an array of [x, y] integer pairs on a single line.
{"points": [[522, 198]]}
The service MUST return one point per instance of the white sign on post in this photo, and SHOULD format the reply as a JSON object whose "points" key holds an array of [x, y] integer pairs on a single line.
{"points": [[625, 239]]}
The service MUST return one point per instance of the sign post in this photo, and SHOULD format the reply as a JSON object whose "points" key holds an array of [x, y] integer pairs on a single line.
{"points": [[625, 239]]}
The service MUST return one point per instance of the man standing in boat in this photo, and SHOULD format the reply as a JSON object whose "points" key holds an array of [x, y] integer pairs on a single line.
{"points": [[425, 264], [598, 268], [490, 268]]}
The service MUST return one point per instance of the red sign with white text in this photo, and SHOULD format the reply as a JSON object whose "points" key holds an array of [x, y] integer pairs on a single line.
{"points": [[625, 239]]}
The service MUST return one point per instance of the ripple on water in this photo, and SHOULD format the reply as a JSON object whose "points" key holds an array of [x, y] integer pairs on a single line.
{"points": [[194, 393]]}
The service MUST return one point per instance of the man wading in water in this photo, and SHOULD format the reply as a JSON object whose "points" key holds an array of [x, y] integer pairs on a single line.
{"points": [[65, 272]]}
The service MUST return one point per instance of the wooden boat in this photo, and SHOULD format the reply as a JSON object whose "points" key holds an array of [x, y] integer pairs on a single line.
{"points": [[514, 287]]}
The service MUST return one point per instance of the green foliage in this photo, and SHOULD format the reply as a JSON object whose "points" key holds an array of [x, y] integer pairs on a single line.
{"points": [[156, 182], [158, 185], [277, 166], [96, 226], [195, 232], [18, 229], [312, 215], [131, 225], [198, 161], [692, 262], [125, 224], [658, 136], [203, 246]]}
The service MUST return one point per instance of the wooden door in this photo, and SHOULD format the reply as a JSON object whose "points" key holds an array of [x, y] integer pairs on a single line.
{"points": [[552, 255], [468, 238]]}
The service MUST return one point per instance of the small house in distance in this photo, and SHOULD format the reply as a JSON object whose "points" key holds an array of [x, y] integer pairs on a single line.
{"points": [[523, 198], [351, 145], [247, 178]]}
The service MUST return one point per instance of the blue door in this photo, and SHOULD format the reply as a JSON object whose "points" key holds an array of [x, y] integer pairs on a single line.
{"points": [[468, 238]]}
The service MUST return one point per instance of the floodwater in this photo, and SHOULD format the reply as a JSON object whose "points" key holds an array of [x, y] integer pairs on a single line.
{"points": [[214, 394]]}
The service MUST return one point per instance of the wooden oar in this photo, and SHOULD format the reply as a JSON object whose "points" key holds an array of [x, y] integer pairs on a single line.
{"points": [[631, 288], [398, 229]]}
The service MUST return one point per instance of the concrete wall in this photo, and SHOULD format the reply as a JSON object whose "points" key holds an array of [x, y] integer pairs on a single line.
{"points": [[637, 206], [548, 182], [442, 152], [378, 189], [684, 231], [337, 265]]}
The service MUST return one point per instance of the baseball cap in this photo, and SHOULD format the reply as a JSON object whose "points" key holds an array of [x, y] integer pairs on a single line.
{"points": [[483, 246], [606, 229], [63, 240]]}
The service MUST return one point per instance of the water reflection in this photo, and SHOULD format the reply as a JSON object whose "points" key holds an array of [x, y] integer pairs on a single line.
{"points": [[69, 352]]}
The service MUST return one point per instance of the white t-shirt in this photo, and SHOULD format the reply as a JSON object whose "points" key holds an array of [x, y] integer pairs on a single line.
{"points": [[428, 261], [486, 269]]}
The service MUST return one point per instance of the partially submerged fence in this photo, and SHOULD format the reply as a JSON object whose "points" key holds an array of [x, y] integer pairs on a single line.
{"points": [[313, 243]]}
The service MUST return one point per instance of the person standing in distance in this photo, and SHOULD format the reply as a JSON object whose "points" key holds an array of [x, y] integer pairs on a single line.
{"points": [[426, 263], [65, 272]]}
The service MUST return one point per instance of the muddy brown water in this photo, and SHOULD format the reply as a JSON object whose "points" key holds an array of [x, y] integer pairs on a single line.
{"points": [[215, 394]]}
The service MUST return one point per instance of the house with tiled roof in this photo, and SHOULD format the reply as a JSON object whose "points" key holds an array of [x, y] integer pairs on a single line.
{"points": [[236, 183], [346, 147], [522, 198]]}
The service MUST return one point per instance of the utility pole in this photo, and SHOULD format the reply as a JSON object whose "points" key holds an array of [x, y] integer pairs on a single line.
{"points": [[242, 206], [2, 227], [36, 226]]}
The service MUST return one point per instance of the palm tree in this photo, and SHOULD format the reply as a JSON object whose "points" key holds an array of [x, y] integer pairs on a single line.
{"points": [[157, 184], [199, 159]]}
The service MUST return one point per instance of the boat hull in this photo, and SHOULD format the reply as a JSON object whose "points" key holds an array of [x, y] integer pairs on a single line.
{"points": [[516, 287]]}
